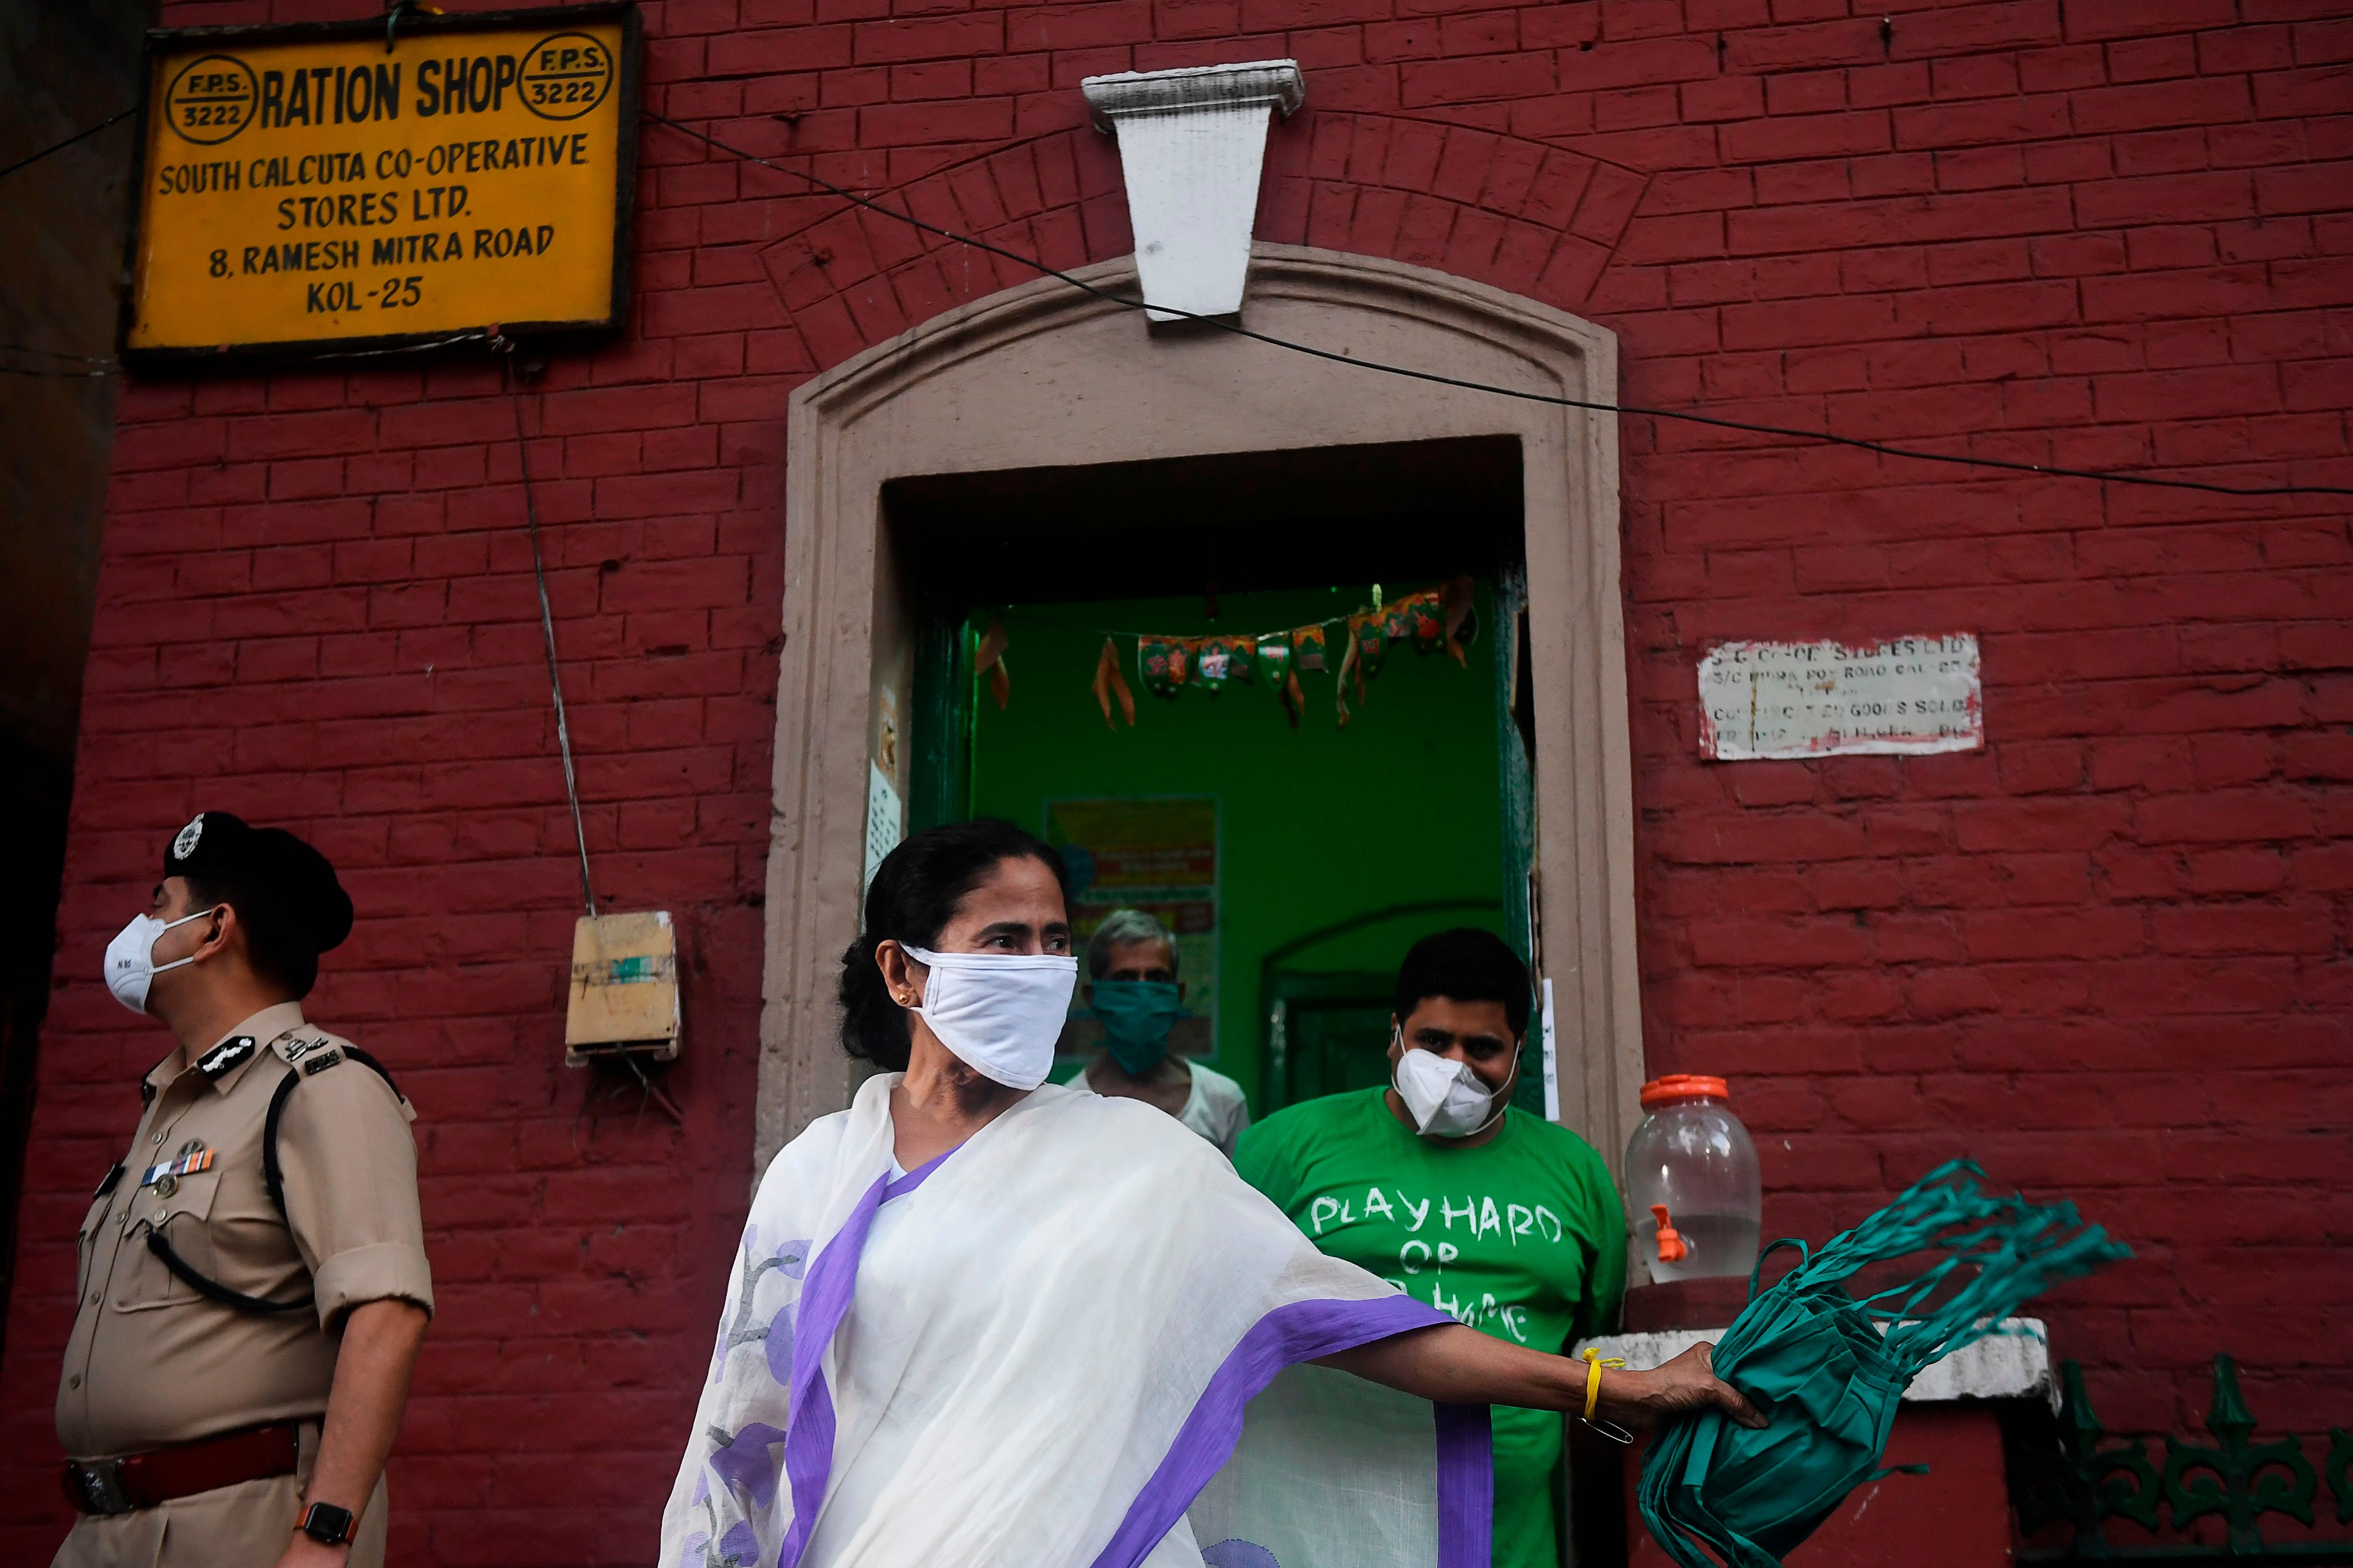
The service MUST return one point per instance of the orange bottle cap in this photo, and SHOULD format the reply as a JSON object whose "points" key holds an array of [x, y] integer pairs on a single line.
{"points": [[1678, 1086]]}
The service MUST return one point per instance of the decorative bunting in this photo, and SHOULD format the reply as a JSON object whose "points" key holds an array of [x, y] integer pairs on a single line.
{"points": [[1274, 657], [1442, 618], [1457, 601], [1163, 662], [990, 660], [1398, 621], [1111, 682], [1307, 642], [1213, 664], [1415, 619], [1370, 644], [1349, 665]]}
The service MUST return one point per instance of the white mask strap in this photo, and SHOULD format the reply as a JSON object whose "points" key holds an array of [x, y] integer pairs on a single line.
{"points": [[154, 968]]}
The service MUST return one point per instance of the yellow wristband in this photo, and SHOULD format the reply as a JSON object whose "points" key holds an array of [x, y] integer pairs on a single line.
{"points": [[1594, 1362]]}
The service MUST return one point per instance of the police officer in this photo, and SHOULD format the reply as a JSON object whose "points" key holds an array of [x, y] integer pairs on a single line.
{"points": [[253, 1283]]}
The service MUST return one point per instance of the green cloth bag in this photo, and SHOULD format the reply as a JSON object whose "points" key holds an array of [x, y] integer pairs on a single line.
{"points": [[1828, 1369]]}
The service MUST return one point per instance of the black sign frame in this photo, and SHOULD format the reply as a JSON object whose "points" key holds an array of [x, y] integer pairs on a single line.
{"points": [[180, 40]]}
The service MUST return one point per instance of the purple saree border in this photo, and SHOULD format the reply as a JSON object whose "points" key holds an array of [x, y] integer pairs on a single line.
{"points": [[824, 1300], [1466, 1486], [1299, 1331], [1286, 1336]]}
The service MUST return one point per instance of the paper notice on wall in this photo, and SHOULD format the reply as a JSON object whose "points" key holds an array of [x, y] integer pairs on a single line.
{"points": [[886, 822], [1551, 1061], [1907, 696]]}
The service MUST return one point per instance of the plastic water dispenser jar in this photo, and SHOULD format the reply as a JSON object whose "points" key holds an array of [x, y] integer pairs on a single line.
{"points": [[1691, 1182]]}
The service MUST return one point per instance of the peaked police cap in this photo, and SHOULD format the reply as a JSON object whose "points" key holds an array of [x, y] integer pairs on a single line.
{"points": [[292, 880]]}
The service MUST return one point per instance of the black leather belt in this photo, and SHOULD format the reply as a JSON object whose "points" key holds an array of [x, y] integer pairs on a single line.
{"points": [[143, 1481]]}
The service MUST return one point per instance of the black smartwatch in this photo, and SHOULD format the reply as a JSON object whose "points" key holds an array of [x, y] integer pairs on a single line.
{"points": [[327, 1524]]}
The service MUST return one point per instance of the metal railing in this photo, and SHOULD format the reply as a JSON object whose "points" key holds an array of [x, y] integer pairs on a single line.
{"points": [[2072, 1477]]}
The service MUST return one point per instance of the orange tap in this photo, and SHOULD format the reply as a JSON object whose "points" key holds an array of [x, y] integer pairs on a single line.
{"points": [[1670, 1242]]}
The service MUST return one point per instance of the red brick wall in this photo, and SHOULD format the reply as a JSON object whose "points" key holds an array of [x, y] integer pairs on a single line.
{"points": [[2105, 956]]}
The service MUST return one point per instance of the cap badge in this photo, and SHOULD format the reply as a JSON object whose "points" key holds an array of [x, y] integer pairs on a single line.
{"points": [[185, 844]]}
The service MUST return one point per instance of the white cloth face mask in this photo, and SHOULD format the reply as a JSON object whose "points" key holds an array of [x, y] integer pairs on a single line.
{"points": [[999, 1013], [130, 964], [1445, 1098]]}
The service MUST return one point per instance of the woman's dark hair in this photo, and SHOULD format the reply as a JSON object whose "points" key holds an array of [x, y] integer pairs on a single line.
{"points": [[272, 942], [913, 896]]}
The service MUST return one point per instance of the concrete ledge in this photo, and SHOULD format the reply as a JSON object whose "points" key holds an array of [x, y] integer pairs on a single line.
{"points": [[1186, 89], [2011, 1362]]}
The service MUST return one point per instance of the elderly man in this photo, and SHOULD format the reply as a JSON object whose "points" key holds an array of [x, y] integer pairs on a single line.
{"points": [[1501, 1219], [254, 1285], [1134, 991]]}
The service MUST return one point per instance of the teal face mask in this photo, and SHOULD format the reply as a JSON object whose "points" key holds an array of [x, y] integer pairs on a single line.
{"points": [[1136, 1015], [1827, 1369]]}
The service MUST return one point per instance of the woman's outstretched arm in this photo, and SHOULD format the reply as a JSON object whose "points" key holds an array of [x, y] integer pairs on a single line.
{"points": [[1452, 1364]]}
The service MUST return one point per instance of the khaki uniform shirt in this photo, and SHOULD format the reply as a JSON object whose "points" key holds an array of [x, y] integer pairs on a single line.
{"points": [[152, 1361]]}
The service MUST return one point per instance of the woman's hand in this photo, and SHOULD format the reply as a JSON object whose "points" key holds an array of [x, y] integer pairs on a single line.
{"points": [[1642, 1399]]}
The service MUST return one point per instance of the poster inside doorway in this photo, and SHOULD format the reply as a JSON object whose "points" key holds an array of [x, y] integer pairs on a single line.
{"points": [[1160, 856]]}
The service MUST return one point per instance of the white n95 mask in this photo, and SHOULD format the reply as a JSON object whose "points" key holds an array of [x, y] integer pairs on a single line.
{"points": [[1445, 1098], [1001, 1013], [130, 964]]}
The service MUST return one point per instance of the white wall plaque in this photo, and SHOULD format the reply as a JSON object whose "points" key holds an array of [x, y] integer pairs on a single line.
{"points": [[886, 821], [1906, 695]]}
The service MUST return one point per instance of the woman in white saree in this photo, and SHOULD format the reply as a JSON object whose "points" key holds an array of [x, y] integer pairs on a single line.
{"points": [[978, 1321]]}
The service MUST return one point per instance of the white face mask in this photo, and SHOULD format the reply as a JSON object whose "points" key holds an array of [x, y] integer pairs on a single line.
{"points": [[130, 964], [999, 1013], [1445, 1098]]}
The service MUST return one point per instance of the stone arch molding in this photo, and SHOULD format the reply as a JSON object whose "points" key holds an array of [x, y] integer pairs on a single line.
{"points": [[1518, 213], [1041, 375]]}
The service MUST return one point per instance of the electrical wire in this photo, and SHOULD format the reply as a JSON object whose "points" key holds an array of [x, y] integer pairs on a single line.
{"points": [[1752, 427], [61, 146], [1055, 623], [480, 335], [547, 630], [51, 353], [2045, 470], [110, 367]]}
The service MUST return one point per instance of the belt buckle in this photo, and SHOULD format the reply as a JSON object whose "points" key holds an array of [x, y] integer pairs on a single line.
{"points": [[97, 1487]]}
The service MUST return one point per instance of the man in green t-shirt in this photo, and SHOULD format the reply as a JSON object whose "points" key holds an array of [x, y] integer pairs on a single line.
{"points": [[1502, 1219]]}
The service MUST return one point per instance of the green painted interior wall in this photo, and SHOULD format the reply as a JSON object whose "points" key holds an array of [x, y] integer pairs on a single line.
{"points": [[1317, 825]]}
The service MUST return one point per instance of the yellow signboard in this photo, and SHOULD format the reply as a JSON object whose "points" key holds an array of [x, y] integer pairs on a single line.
{"points": [[309, 189]]}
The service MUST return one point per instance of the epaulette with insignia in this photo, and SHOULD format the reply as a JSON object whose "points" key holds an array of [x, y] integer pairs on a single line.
{"points": [[320, 1065], [222, 1057], [301, 1045]]}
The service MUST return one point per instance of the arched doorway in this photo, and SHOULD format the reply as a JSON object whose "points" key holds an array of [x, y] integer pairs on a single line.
{"points": [[1044, 378]]}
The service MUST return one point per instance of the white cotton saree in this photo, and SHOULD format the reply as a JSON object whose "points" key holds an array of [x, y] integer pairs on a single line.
{"points": [[1041, 1351]]}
